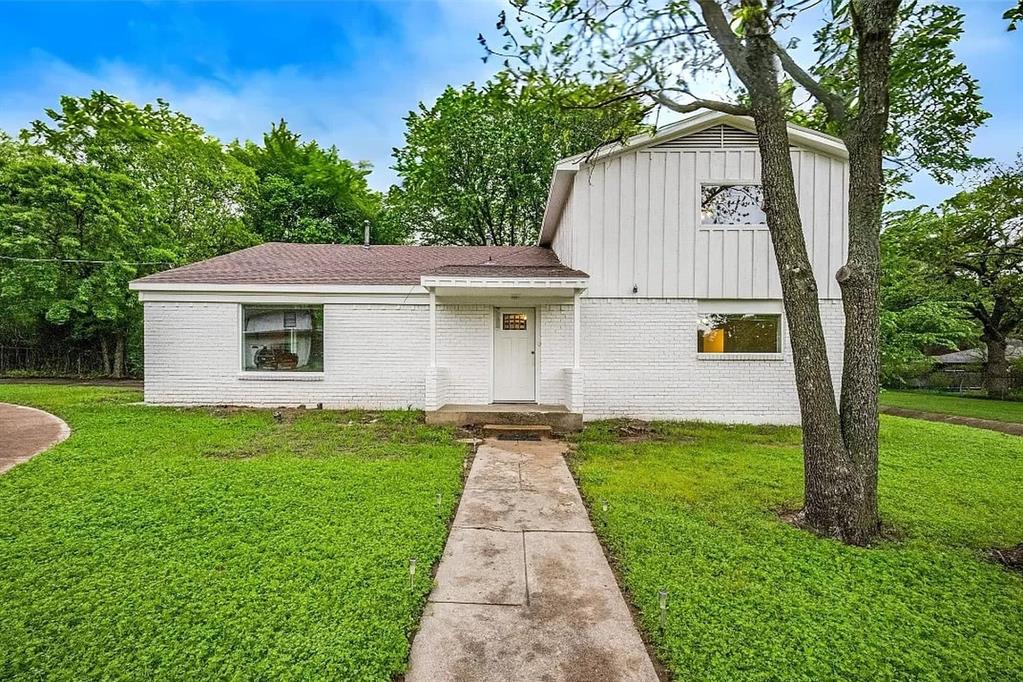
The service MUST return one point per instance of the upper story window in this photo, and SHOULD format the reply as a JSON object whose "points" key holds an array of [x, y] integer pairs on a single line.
{"points": [[732, 205], [282, 338], [739, 333]]}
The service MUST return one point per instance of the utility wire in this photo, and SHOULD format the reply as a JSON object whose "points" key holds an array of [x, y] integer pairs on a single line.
{"points": [[78, 260]]}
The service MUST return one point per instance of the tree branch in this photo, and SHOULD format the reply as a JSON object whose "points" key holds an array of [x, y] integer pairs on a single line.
{"points": [[833, 104], [721, 31], [697, 104]]}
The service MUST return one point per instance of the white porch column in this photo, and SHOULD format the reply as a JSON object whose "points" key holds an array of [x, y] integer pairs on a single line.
{"points": [[575, 331], [435, 387], [433, 329]]}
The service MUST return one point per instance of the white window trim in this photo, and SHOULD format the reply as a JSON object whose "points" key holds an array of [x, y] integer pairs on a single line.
{"points": [[730, 307], [726, 182], [257, 375]]}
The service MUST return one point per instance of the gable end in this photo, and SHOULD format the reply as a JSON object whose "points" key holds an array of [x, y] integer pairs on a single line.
{"points": [[714, 137]]}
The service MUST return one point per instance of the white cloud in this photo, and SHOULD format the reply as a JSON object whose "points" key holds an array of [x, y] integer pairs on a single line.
{"points": [[359, 108]]}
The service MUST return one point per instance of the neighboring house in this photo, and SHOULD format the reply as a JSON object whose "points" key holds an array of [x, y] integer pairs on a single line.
{"points": [[964, 369], [653, 293]]}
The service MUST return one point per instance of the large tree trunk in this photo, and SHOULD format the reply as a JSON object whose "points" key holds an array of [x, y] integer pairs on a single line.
{"points": [[117, 370], [831, 481], [859, 278], [996, 369], [104, 351], [839, 441]]}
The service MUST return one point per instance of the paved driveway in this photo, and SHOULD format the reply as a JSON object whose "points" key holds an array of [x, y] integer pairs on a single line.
{"points": [[25, 432]]}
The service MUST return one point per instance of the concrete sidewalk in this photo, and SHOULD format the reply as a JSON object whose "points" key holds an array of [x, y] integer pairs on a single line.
{"points": [[523, 591]]}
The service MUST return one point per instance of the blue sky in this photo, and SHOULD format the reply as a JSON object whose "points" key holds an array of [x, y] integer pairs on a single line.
{"points": [[342, 73]]}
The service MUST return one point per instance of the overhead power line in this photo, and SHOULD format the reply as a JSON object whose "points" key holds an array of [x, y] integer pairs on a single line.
{"points": [[81, 260]]}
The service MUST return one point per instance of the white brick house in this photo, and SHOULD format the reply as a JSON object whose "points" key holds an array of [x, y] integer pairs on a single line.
{"points": [[652, 293]]}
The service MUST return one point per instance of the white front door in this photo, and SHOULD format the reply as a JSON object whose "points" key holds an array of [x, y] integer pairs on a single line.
{"points": [[514, 355]]}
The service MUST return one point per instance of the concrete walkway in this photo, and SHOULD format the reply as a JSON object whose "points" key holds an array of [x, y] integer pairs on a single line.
{"points": [[25, 432], [989, 424], [523, 591]]}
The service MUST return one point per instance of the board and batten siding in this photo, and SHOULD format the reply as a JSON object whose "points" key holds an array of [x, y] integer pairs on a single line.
{"points": [[633, 220]]}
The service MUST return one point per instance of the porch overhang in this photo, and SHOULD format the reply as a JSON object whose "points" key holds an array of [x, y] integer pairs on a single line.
{"points": [[475, 287], [501, 289]]}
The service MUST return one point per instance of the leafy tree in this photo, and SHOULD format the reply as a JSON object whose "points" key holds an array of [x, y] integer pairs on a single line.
{"points": [[99, 193], [934, 111], [661, 50], [913, 319], [306, 193], [969, 253], [476, 165]]}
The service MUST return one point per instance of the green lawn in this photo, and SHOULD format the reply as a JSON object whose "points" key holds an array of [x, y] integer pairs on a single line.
{"points": [[161, 543], [964, 406], [691, 509]]}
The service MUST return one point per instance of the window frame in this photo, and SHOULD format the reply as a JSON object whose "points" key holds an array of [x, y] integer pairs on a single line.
{"points": [[279, 375], [724, 182], [733, 310]]}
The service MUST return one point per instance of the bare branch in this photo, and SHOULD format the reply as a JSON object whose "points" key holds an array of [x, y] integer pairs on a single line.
{"points": [[721, 31], [698, 103], [833, 104]]}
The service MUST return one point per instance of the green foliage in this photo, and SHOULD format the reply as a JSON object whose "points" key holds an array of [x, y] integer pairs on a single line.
{"points": [[477, 164], [966, 255], [693, 510], [103, 191], [306, 193], [913, 318], [964, 406], [202, 544], [99, 193], [1014, 15], [936, 106]]}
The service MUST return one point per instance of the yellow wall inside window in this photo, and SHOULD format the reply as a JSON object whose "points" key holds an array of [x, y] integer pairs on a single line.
{"points": [[714, 341]]}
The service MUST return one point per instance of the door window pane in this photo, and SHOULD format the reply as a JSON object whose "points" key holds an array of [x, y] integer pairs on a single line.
{"points": [[513, 321], [739, 333], [726, 205], [282, 338]]}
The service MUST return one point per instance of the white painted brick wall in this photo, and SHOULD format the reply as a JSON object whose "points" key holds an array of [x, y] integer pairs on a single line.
{"points": [[375, 356], [464, 347], [555, 354], [639, 359]]}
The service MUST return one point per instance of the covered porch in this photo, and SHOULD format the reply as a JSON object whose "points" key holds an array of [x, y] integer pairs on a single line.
{"points": [[504, 346]]}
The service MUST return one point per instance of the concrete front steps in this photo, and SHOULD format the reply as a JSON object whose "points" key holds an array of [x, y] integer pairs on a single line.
{"points": [[557, 418]]}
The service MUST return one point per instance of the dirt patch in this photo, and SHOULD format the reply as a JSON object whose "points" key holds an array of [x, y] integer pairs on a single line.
{"points": [[1010, 557], [989, 424], [635, 431], [797, 517]]}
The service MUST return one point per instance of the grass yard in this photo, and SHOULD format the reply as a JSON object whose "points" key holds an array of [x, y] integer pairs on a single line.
{"points": [[963, 406], [691, 509], [161, 543]]}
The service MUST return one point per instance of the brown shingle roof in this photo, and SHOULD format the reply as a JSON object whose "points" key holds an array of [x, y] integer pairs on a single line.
{"points": [[277, 263]]}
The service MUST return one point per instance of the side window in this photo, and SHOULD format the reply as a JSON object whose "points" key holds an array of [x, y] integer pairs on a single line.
{"points": [[739, 333], [732, 206], [282, 338]]}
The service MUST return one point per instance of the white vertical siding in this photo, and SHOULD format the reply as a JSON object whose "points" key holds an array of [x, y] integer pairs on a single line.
{"points": [[634, 220]]}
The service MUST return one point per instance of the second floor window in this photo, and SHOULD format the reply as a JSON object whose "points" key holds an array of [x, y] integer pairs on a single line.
{"points": [[732, 206]]}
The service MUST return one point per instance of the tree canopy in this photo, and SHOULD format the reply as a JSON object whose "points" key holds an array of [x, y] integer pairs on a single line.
{"points": [[304, 192], [966, 256], [477, 163], [868, 55], [101, 191]]}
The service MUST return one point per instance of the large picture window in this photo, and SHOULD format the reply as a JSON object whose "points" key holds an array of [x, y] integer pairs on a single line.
{"points": [[739, 333], [282, 338], [732, 206]]}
